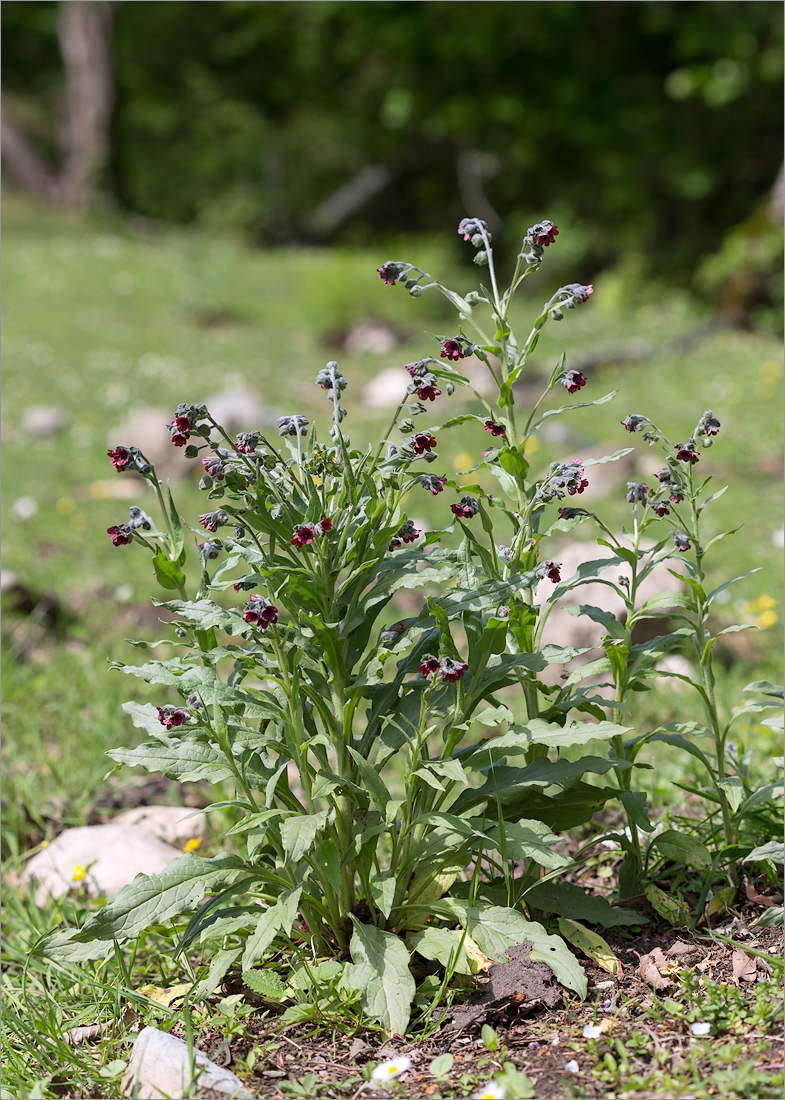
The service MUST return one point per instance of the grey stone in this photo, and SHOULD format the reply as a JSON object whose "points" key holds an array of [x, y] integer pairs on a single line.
{"points": [[169, 823], [113, 856], [43, 420], [371, 338], [160, 1068]]}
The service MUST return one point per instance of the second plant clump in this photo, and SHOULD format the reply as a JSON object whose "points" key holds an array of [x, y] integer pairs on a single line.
{"points": [[374, 819]]}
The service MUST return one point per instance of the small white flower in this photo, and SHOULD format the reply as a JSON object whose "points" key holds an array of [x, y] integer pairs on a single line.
{"points": [[573, 1067], [392, 1068], [700, 1029], [492, 1091], [591, 1031]]}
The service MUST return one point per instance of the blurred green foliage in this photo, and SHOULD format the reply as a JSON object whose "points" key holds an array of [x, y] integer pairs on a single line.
{"points": [[656, 125]]}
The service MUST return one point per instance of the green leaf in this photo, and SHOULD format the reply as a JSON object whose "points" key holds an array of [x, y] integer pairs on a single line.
{"points": [[266, 983], [278, 918], [168, 573], [569, 900], [177, 528], [495, 928], [590, 944], [372, 781], [154, 899], [380, 971], [527, 840], [299, 832], [634, 803], [770, 918], [441, 1066], [579, 733], [773, 850], [669, 906], [734, 791], [383, 892], [183, 761], [682, 848], [219, 965], [448, 947], [765, 687]]}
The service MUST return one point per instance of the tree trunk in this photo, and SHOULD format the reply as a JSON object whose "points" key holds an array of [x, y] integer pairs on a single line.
{"points": [[84, 32]]}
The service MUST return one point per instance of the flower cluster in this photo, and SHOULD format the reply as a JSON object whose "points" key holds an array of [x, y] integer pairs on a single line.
{"points": [[407, 532], [573, 380], [172, 716], [120, 534], [211, 521], [435, 484], [671, 485], [456, 347], [472, 229], [569, 477], [681, 541], [687, 452], [569, 296], [635, 422], [466, 508], [451, 671], [537, 239], [495, 428], [185, 422], [423, 382], [708, 425], [292, 425], [549, 569], [330, 378], [305, 533], [260, 612], [391, 271], [122, 457], [421, 442], [637, 492], [247, 442], [214, 467]]}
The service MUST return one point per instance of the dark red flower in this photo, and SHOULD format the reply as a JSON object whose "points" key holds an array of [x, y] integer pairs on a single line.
{"points": [[324, 526], [429, 665], [551, 569], [211, 521], [466, 508], [303, 535], [428, 392], [179, 439], [452, 349], [494, 428], [661, 509], [120, 457], [545, 233], [686, 452], [182, 423], [452, 670], [120, 536], [422, 442], [573, 380], [171, 716], [388, 273], [435, 484]]}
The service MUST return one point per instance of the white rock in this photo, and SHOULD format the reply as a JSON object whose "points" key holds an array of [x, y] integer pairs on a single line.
{"points": [[169, 823], [117, 853], [43, 420], [160, 1068], [239, 410], [371, 338], [387, 389]]}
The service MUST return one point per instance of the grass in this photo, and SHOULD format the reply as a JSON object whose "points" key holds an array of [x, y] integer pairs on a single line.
{"points": [[107, 318]]}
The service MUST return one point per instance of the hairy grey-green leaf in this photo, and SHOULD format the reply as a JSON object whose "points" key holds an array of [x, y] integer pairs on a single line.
{"points": [[380, 971]]}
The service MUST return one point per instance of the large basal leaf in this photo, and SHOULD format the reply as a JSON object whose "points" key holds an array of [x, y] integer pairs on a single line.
{"points": [[682, 848], [568, 900], [153, 899], [496, 928], [562, 811], [184, 761], [299, 832], [278, 918], [452, 948], [380, 971]]}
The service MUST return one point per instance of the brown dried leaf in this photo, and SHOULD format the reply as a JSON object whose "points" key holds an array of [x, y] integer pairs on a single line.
{"points": [[649, 969], [768, 900], [90, 1033], [606, 1025], [744, 966]]}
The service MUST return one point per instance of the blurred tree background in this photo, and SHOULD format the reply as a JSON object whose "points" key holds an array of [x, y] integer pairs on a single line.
{"points": [[654, 127]]}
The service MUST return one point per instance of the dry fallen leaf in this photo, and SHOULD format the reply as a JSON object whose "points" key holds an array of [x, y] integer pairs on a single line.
{"points": [[650, 967], [166, 996], [477, 959], [606, 1025], [744, 966], [768, 900], [591, 945]]}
